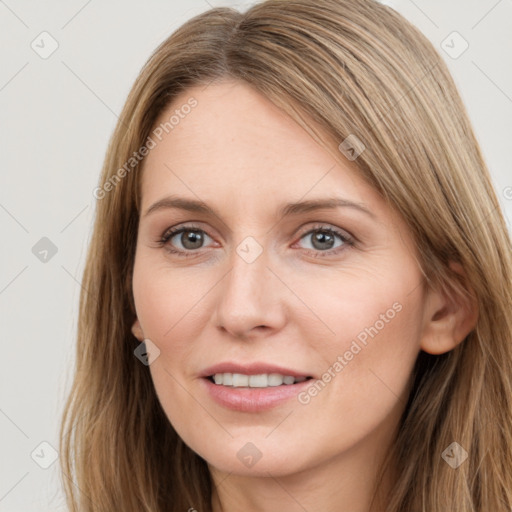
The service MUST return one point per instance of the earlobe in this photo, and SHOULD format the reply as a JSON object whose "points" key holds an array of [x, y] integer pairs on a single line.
{"points": [[137, 330], [449, 317]]}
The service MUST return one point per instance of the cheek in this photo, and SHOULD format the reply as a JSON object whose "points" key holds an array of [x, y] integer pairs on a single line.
{"points": [[366, 372], [164, 299], [362, 303], [368, 317], [369, 366], [367, 313], [371, 325]]}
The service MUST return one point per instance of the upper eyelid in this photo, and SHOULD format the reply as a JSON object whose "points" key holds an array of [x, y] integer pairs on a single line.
{"points": [[174, 230]]}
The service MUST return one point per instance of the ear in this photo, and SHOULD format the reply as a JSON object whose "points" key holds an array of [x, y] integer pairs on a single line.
{"points": [[448, 318], [137, 330]]}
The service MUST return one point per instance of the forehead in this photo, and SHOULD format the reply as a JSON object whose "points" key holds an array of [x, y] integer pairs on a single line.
{"points": [[235, 146]]}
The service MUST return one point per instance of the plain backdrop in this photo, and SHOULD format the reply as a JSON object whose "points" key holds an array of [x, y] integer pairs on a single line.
{"points": [[57, 113]]}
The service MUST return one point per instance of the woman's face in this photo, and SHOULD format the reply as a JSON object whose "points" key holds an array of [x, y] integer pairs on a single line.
{"points": [[262, 287]]}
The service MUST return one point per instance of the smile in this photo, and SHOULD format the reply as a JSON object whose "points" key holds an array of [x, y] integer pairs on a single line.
{"points": [[264, 380]]}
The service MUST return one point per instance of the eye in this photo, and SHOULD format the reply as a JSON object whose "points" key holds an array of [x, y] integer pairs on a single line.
{"points": [[190, 238], [187, 240], [323, 240]]}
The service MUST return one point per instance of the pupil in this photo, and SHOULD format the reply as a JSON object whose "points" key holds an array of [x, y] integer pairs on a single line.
{"points": [[322, 238], [191, 239]]}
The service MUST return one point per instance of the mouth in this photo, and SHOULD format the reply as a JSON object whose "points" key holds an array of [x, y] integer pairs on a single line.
{"points": [[254, 387], [263, 380]]}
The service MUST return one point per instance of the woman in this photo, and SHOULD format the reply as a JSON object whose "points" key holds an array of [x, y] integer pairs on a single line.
{"points": [[297, 293]]}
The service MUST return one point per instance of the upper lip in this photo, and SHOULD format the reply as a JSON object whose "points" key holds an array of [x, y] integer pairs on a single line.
{"points": [[255, 368]]}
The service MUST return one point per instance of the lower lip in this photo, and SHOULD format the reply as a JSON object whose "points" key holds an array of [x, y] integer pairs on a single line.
{"points": [[253, 399]]}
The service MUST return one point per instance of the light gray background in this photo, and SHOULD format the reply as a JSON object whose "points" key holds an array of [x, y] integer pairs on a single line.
{"points": [[57, 115]]}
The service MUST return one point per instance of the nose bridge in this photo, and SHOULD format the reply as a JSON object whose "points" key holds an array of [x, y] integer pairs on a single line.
{"points": [[249, 295]]}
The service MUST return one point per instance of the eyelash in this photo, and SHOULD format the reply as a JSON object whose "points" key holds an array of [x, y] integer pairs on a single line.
{"points": [[170, 233]]}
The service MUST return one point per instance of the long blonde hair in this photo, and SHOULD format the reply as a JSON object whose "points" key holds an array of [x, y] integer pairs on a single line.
{"points": [[353, 67]]}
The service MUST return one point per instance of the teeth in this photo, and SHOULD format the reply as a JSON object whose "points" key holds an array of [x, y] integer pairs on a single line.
{"points": [[239, 380], [264, 380], [274, 379], [257, 381]]}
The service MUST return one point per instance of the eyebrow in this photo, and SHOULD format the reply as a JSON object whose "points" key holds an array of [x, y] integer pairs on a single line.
{"points": [[286, 210]]}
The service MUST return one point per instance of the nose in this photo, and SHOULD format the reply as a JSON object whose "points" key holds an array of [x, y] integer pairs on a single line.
{"points": [[250, 299]]}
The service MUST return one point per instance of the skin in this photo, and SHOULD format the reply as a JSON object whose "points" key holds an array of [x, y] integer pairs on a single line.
{"points": [[292, 306]]}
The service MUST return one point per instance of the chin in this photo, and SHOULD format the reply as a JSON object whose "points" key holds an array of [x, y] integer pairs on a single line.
{"points": [[246, 459], [262, 468]]}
